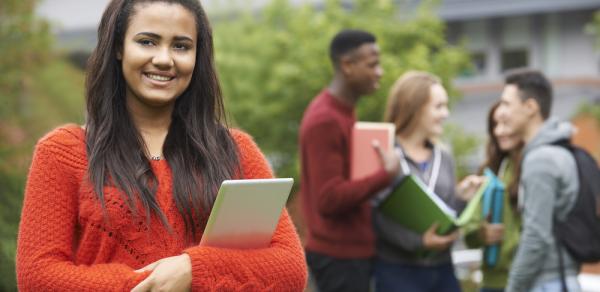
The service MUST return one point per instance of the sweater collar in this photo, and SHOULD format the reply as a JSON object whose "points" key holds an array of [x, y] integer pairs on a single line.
{"points": [[340, 106]]}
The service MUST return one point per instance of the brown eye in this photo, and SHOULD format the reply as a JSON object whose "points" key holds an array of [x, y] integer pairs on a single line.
{"points": [[182, 47], [146, 42]]}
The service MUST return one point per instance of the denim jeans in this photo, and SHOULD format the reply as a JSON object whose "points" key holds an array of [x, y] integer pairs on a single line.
{"points": [[396, 277], [491, 290]]}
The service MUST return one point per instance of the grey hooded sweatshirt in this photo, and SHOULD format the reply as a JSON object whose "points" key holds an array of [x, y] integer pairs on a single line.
{"points": [[549, 187]]}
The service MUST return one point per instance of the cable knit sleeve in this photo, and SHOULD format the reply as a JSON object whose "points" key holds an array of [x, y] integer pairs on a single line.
{"points": [[280, 267], [48, 228]]}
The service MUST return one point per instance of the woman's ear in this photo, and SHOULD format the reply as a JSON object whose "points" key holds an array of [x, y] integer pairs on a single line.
{"points": [[119, 56]]}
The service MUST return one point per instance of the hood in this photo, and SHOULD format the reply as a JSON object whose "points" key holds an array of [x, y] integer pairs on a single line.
{"points": [[553, 130]]}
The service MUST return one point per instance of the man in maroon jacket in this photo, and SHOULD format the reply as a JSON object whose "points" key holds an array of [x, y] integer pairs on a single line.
{"points": [[340, 241]]}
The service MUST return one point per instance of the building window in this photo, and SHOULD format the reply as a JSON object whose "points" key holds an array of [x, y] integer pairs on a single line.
{"points": [[477, 67], [514, 58]]}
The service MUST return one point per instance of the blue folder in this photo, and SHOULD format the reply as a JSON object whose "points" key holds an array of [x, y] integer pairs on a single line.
{"points": [[492, 211]]}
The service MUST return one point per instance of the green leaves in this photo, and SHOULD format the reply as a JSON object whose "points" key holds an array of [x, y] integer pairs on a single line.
{"points": [[593, 28], [38, 91], [462, 145], [272, 63], [24, 41]]}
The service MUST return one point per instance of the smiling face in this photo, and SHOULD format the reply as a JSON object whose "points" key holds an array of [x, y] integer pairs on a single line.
{"points": [[506, 137], [434, 112], [513, 111], [364, 70], [159, 54]]}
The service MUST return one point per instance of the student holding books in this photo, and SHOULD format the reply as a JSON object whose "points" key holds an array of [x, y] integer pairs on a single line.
{"points": [[120, 204], [503, 156], [408, 260], [339, 240]]}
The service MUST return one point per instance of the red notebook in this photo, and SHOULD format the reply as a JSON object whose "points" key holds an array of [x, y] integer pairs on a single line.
{"points": [[363, 156]]}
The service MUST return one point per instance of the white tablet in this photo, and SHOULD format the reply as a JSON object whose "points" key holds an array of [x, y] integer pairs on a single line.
{"points": [[246, 213]]}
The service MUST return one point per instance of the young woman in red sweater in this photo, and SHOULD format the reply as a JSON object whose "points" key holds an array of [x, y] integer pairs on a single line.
{"points": [[120, 204]]}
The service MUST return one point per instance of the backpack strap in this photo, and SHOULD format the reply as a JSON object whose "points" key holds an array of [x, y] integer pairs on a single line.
{"points": [[565, 143], [561, 265]]}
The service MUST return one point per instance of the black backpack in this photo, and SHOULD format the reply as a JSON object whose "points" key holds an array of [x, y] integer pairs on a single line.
{"points": [[579, 233]]}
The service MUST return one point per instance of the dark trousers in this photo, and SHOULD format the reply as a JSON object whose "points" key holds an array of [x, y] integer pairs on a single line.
{"points": [[343, 275], [490, 290], [391, 277]]}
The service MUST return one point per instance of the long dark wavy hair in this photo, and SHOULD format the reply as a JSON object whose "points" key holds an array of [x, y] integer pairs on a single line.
{"points": [[494, 157], [199, 147]]}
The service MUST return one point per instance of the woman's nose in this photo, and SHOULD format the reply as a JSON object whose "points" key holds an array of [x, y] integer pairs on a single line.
{"points": [[163, 58]]}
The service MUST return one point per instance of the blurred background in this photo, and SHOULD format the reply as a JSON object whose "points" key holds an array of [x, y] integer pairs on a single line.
{"points": [[272, 58]]}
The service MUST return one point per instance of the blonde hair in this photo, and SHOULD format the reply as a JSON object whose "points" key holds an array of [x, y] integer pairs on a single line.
{"points": [[407, 99]]}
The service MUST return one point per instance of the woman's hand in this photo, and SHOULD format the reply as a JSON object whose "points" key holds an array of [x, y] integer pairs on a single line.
{"points": [[491, 233], [168, 274], [433, 241], [467, 188]]}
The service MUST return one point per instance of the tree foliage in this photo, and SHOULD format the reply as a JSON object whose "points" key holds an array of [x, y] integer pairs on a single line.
{"points": [[272, 63], [23, 42], [37, 92], [589, 109], [593, 28]]}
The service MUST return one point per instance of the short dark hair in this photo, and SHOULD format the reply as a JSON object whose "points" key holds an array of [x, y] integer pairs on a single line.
{"points": [[532, 84], [346, 41]]}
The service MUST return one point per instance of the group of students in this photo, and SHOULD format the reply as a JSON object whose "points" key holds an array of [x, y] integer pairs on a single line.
{"points": [[351, 245], [119, 204]]}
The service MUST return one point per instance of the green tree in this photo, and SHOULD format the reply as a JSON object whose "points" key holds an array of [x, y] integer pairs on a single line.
{"points": [[37, 92], [593, 28], [591, 109], [273, 63], [463, 147]]}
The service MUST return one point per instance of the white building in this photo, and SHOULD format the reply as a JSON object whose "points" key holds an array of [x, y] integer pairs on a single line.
{"points": [[548, 35]]}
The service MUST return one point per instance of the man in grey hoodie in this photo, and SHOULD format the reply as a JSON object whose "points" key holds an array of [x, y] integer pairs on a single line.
{"points": [[549, 183]]}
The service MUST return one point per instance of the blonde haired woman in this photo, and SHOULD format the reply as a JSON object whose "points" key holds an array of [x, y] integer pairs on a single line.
{"points": [[418, 106]]}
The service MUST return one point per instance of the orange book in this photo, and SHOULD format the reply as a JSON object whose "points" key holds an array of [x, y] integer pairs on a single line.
{"points": [[364, 158]]}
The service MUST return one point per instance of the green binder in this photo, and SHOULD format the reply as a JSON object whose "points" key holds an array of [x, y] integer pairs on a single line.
{"points": [[413, 206]]}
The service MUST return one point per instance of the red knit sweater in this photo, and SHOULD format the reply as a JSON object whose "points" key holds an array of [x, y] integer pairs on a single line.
{"points": [[64, 243]]}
